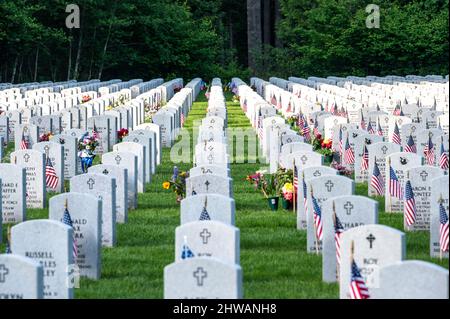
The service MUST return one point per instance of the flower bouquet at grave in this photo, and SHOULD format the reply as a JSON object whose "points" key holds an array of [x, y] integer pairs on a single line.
{"points": [[45, 137], [288, 195], [85, 99], [86, 149], [292, 121], [177, 184], [121, 134], [150, 110], [269, 188], [236, 99], [342, 170]]}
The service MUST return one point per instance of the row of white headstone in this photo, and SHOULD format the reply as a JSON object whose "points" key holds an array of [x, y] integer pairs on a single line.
{"points": [[207, 248], [379, 250], [49, 256]]}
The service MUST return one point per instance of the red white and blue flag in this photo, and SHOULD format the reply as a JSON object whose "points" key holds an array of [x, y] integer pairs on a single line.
{"points": [[410, 205], [365, 159], [338, 230], [443, 159], [67, 219], [377, 181], [51, 178], [317, 218], [443, 228], [429, 152], [396, 135], [410, 146], [358, 288], [395, 189], [370, 129], [349, 155]]}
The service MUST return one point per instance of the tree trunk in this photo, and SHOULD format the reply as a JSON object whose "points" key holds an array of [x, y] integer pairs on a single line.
{"points": [[36, 60], [91, 63], [254, 31], [80, 44], [19, 79], [16, 61], [105, 48]]}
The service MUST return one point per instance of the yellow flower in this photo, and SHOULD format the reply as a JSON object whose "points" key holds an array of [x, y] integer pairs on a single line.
{"points": [[166, 185], [108, 108], [288, 187]]}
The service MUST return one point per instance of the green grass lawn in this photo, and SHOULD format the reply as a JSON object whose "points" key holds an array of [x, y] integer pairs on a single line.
{"points": [[273, 253]]}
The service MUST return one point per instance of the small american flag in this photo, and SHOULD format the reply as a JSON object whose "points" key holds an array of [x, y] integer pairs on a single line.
{"points": [[273, 100], [379, 129], [410, 205], [377, 180], [443, 159], [358, 288], [338, 230], [67, 219], [244, 106], [24, 145], [316, 128], [301, 121], [295, 179], [260, 127], [365, 159], [95, 134], [204, 215], [395, 189], [186, 251], [396, 135], [410, 146], [349, 155], [333, 108], [443, 230], [305, 196], [306, 132], [429, 152], [51, 178], [317, 218], [370, 129], [363, 122], [341, 141], [397, 110], [289, 108]]}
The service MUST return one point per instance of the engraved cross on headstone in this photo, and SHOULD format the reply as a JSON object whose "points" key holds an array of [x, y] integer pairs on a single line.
{"points": [[371, 239], [349, 207], [329, 185], [205, 235], [118, 159], [317, 173], [200, 274], [207, 183], [424, 176], [384, 149], [91, 183], [3, 272], [26, 157]]}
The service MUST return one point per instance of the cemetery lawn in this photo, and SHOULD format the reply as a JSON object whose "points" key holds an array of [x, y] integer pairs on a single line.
{"points": [[273, 253]]}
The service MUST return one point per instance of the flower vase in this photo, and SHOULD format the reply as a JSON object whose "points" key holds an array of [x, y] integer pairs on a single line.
{"points": [[287, 204], [273, 203]]}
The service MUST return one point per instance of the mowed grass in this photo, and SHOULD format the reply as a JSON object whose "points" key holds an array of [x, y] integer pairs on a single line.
{"points": [[273, 253]]}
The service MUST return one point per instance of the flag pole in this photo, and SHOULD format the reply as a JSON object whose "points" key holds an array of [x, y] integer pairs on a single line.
{"points": [[334, 223], [440, 249], [388, 187], [315, 227], [293, 184]]}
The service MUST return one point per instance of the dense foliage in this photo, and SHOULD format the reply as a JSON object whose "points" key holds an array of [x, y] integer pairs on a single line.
{"points": [[323, 37], [146, 39]]}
